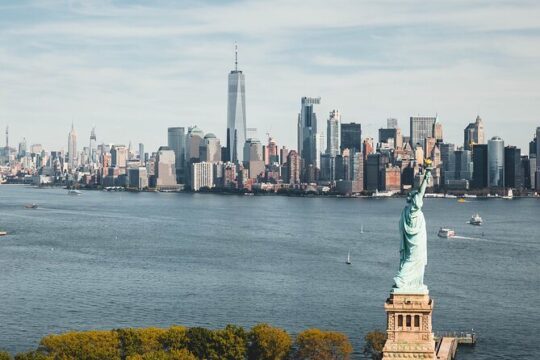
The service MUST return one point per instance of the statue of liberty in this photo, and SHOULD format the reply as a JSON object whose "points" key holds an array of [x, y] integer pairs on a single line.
{"points": [[413, 247]]}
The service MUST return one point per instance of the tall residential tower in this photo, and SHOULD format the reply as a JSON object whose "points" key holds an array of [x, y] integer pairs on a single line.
{"points": [[307, 130]]}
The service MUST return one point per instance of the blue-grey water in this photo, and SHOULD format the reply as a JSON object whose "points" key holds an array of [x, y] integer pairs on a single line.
{"points": [[105, 260]]}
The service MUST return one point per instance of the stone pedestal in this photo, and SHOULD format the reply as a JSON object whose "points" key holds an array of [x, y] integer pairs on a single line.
{"points": [[409, 327]]}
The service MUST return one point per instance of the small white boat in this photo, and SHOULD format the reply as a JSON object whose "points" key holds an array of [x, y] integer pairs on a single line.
{"points": [[509, 195], [3, 233], [361, 229], [74, 192], [348, 262], [446, 233], [31, 206], [476, 220]]}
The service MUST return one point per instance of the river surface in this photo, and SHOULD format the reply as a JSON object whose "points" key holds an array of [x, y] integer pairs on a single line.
{"points": [[105, 260]]}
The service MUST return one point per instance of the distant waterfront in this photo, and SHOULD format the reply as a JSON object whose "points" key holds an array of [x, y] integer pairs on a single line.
{"points": [[452, 194], [107, 260]]}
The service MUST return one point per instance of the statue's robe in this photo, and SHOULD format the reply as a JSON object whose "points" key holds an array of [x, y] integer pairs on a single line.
{"points": [[413, 249]]}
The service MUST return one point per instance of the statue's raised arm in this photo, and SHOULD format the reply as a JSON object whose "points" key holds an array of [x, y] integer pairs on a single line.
{"points": [[424, 184]]}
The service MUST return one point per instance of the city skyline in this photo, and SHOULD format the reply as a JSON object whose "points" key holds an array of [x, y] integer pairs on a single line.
{"points": [[120, 66]]}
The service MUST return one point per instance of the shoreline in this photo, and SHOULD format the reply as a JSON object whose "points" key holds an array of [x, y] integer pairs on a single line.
{"points": [[294, 193]]}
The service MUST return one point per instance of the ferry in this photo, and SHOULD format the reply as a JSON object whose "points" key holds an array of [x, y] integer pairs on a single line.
{"points": [[446, 233], [476, 220]]}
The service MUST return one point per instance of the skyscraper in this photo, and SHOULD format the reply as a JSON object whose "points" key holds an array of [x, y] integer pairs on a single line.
{"points": [[473, 134], [142, 160], [176, 141], [210, 149], [538, 147], [391, 123], [72, 148], [464, 165], [513, 168], [236, 113], [422, 127], [165, 169], [307, 128], [93, 155], [294, 167], [351, 137], [253, 158], [333, 133], [480, 166], [271, 152], [391, 136], [202, 175], [119, 157], [537, 175], [496, 162], [448, 160], [194, 139]]}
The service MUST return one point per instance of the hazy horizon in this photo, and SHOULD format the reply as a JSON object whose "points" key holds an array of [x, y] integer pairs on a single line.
{"points": [[133, 69]]}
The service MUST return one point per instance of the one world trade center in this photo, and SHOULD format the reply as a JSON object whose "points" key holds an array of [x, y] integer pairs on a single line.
{"points": [[236, 114]]}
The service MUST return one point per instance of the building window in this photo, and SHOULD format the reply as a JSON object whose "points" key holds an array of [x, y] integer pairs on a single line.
{"points": [[400, 321], [417, 321], [408, 321]]}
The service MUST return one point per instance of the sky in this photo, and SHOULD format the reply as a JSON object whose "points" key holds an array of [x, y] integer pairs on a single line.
{"points": [[134, 68]]}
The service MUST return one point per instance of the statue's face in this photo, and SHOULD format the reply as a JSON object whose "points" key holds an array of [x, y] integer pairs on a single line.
{"points": [[411, 195]]}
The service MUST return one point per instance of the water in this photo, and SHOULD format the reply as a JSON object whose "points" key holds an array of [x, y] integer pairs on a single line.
{"points": [[107, 260]]}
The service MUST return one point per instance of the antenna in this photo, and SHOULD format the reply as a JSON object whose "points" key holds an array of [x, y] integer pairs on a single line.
{"points": [[235, 56]]}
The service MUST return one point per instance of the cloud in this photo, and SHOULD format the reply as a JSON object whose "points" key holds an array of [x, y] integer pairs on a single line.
{"points": [[133, 70]]}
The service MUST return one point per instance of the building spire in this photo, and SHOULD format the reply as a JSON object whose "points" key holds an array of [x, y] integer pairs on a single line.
{"points": [[235, 56]]}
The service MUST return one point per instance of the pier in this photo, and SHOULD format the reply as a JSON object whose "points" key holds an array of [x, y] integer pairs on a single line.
{"points": [[462, 337], [447, 343]]}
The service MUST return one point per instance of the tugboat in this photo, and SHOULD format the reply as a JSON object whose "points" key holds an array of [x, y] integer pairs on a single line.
{"points": [[476, 220], [446, 233]]}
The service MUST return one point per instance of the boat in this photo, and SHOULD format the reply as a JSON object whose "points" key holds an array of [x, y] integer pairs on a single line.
{"points": [[461, 200], [348, 262], [446, 233], [74, 192], [361, 229], [3, 233], [31, 206], [476, 220], [509, 195]]}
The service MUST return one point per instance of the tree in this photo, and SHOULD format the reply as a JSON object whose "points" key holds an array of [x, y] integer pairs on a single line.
{"points": [[163, 355], [87, 345], [4, 355], [33, 355], [230, 343], [174, 338], [374, 344], [314, 344], [200, 342], [268, 343], [139, 341]]}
